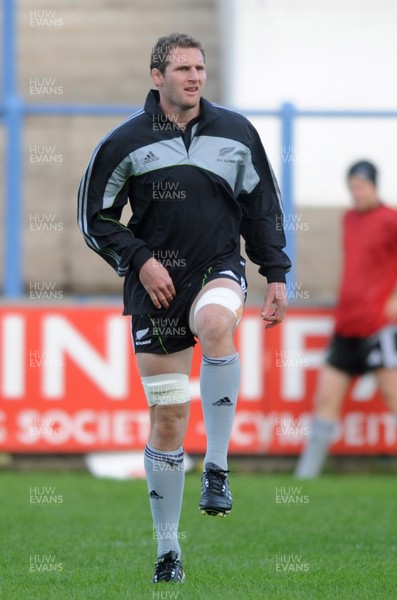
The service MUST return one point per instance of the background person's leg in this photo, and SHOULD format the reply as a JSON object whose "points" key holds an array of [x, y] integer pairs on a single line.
{"points": [[331, 389], [387, 382]]}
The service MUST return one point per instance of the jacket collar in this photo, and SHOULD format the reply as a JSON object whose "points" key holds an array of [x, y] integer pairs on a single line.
{"points": [[208, 112]]}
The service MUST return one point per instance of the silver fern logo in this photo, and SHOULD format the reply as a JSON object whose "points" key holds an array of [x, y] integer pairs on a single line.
{"points": [[224, 153]]}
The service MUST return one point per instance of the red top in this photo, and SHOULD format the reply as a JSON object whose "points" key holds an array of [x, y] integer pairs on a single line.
{"points": [[370, 271]]}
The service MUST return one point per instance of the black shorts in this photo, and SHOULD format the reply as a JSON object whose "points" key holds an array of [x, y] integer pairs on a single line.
{"points": [[165, 331], [357, 356]]}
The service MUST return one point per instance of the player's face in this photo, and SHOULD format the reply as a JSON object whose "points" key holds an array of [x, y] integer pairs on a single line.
{"points": [[183, 81], [363, 192]]}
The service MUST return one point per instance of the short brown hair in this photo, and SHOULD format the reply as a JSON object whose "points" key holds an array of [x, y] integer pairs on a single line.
{"points": [[160, 56]]}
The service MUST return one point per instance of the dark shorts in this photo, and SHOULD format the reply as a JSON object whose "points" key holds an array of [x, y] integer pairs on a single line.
{"points": [[165, 331], [357, 356]]}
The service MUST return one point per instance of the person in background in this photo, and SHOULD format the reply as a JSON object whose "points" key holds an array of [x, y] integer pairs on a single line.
{"points": [[365, 333]]}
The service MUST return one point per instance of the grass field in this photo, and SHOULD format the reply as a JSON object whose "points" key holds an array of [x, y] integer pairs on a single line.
{"points": [[334, 538]]}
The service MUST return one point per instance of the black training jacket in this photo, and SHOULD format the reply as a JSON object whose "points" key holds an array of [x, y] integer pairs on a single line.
{"points": [[192, 193]]}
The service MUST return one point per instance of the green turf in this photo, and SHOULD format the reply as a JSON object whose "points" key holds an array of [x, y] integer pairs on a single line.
{"points": [[344, 538]]}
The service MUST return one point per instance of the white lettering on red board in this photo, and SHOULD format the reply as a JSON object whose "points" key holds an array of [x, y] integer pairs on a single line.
{"points": [[109, 371], [294, 333], [62, 340], [12, 356], [85, 427], [356, 430]]}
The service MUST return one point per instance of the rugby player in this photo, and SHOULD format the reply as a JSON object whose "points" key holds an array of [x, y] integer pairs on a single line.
{"points": [[197, 177], [365, 335]]}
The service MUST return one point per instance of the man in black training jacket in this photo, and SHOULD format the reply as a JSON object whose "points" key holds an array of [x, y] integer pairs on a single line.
{"points": [[197, 177]]}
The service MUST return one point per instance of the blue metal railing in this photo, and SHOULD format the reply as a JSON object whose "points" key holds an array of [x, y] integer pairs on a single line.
{"points": [[13, 110]]}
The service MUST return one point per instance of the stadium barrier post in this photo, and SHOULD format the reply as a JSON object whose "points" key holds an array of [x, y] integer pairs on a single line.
{"points": [[13, 119], [288, 156]]}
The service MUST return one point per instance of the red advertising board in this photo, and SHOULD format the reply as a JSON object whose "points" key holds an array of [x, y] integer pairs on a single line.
{"points": [[69, 383]]}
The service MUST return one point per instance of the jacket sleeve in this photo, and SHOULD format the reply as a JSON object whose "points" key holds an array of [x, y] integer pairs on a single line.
{"points": [[262, 224], [102, 195]]}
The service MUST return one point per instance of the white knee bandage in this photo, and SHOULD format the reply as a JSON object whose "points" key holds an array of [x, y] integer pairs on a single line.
{"points": [[171, 388], [222, 296]]}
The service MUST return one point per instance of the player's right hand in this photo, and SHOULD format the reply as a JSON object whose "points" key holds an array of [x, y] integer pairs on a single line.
{"points": [[275, 304], [157, 282]]}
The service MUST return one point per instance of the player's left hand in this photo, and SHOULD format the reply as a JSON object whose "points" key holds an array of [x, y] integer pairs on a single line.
{"points": [[391, 308], [275, 304]]}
